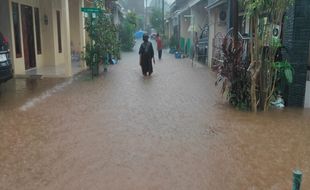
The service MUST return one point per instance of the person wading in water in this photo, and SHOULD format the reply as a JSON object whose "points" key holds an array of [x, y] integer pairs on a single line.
{"points": [[146, 53], [159, 46]]}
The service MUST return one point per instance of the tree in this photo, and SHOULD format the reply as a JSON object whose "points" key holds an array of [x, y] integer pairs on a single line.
{"points": [[156, 19], [103, 33], [127, 29], [264, 69]]}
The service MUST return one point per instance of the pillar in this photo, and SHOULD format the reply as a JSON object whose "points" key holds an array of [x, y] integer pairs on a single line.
{"points": [[66, 38], [82, 36]]}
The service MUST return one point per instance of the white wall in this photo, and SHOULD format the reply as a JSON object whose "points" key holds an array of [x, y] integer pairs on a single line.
{"points": [[47, 32], [185, 23], [215, 26], [307, 96], [75, 33], [201, 16]]}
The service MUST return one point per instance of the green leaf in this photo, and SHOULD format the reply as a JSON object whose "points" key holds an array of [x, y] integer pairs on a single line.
{"points": [[288, 75]]}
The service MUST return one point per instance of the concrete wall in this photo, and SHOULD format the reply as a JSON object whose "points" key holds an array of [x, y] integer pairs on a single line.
{"points": [[59, 56], [75, 32], [47, 32], [184, 24], [201, 15], [211, 36], [215, 26], [307, 96]]}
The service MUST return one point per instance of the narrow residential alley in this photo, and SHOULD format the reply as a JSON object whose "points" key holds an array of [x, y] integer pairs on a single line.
{"points": [[123, 131]]}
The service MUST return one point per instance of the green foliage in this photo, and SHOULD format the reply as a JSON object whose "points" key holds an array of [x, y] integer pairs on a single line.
{"points": [[140, 22], [87, 55], [103, 33], [156, 20], [263, 16], [127, 30], [285, 71], [103, 38], [258, 7], [132, 19], [173, 43]]}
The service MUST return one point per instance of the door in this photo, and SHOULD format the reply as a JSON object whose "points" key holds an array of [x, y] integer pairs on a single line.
{"points": [[28, 37]]}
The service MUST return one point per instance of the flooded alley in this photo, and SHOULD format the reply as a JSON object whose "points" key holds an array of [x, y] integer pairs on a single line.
{"points": [[171, 131]]}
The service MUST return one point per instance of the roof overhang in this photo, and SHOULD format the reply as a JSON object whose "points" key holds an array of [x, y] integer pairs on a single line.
{"points": [[215, 4], [194, 2]]}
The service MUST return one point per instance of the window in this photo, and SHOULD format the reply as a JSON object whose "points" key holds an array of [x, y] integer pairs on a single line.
{"points": [[59, 32], [16, 26], [38, 31]]}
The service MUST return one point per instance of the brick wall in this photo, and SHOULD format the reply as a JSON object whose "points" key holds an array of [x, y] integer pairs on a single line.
{"points": [[296, 37]]}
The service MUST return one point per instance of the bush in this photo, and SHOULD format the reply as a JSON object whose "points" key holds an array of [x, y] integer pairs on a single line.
{"points": [[104, 34], [127, 30], [126, 36], [233, 77], [173, 42]]}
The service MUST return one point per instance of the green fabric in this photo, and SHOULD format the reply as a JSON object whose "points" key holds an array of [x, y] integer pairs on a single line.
{"points": [[182, 44], [188, 47], [297, 177]]}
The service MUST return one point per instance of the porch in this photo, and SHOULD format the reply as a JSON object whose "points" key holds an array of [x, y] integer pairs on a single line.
{"points": [[55, 71]]}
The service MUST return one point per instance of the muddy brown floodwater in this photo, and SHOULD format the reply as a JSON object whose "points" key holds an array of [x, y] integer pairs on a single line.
{"points": [[123, 131]]}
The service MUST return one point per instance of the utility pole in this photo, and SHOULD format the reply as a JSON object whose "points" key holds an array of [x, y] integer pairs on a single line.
{"points": [[235, 21], [146, 15], [163, 12]]}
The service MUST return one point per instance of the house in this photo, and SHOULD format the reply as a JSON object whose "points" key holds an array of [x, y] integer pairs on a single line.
{"points": [[43, 33], [185, 19], [46, 36]]}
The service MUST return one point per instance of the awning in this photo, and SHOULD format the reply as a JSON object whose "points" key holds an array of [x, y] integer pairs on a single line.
{"points": [[215, 4]]}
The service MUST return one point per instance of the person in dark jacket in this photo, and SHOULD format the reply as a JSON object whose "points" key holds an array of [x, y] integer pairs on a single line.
{"points": [[146, 53]]}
